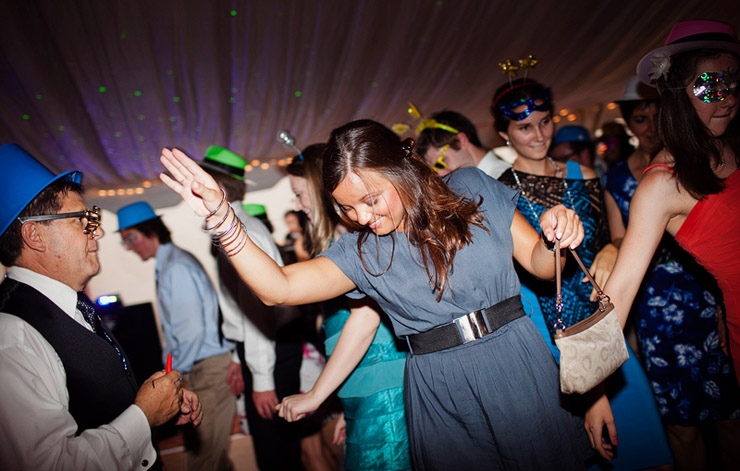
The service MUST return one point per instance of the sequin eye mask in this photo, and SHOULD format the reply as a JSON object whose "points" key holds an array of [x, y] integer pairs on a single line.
{"points": [[713, 87], [544, 99]]}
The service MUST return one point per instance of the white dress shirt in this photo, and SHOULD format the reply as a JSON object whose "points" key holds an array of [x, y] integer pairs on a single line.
{"points": [[37, 432], [492, 165], [259, 350]]}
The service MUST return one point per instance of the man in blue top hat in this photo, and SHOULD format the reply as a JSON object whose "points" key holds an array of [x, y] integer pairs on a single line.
{"points": [[69, 397], [189, 312]]}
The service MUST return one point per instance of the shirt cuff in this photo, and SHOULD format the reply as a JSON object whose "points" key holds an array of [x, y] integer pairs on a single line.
{"points": [[133, 426], [262, 382]]}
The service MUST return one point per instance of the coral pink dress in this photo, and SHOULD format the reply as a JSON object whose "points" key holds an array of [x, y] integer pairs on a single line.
{"points": [[711, 233]]}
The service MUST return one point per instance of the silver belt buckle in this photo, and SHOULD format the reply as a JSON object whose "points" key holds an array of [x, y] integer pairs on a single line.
{"points": [[472, 326]]}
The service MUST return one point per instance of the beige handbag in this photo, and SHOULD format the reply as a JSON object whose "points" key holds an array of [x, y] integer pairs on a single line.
{"points": [[592, 349]]}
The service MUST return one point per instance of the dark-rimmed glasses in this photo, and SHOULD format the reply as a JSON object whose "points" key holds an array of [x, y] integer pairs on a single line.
{"points": [[92, 216]]}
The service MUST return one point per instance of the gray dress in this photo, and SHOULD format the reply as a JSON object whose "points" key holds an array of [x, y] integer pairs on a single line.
{"points": [[489, 404]]}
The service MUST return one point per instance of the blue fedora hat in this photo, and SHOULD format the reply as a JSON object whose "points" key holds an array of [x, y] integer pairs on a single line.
{"points": [[22, 178], [133, 214], [572, 133]]}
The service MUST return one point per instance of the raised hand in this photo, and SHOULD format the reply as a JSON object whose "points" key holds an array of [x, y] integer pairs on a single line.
{"points": [[564, 224], [191, 182]]}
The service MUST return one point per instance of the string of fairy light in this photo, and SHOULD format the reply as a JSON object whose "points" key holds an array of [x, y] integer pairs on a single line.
{"points": [[252, 166]]}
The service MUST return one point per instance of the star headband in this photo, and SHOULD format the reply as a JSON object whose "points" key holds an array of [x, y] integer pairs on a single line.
{"points": [[509, 67]]}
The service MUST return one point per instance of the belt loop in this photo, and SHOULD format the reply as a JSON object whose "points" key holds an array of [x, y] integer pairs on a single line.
{"points": [[408, 342]]}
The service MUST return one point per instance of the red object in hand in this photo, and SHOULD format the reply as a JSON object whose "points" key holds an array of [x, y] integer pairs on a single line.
{"points": [[168, 368]]}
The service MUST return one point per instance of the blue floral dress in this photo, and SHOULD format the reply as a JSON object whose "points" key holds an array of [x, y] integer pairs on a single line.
{"points": [[675, 316]]}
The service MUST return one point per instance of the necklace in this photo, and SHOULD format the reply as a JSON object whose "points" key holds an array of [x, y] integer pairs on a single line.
{"points": [[524, 193]]}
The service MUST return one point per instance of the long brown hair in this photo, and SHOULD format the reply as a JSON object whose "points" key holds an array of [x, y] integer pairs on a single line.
{"points": [[321, 227], [437, 221], [686, 137]]}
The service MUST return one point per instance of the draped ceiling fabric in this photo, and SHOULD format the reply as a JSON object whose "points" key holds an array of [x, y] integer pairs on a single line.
{"points": [[102, 86]]}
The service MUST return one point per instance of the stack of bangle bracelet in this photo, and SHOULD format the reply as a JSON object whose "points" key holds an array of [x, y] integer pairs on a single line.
{"points": [[232, 239]]}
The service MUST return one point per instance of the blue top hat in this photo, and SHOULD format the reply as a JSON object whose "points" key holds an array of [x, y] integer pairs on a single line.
{"points": [[571, 133], [133, 214], [22, 178]]}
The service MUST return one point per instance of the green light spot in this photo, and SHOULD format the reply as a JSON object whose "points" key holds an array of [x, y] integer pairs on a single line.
{"points": [[176, 99], [232, 100], [234, 90], [38, 96], [172, 119], [440, 3], [61, 128], [137, 93], [308, 74], [25, 116], [101, 89], [123, 35], [117, 133], [169, 71], [140, 117], [232, 13], [140, 138], [375, 84], [298, 93]]}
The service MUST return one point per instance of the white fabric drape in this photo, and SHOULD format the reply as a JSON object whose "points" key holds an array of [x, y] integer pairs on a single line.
{"points": [[102, 86]]}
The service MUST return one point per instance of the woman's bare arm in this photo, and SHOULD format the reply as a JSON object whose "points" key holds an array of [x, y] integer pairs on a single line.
{"points": [[299, 283]]}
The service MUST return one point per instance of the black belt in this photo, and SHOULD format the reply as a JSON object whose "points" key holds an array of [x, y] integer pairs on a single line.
{"points": [[467, 328]]}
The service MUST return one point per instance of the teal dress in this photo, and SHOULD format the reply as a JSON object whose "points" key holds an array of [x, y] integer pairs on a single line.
{"points": [[372, 398]]}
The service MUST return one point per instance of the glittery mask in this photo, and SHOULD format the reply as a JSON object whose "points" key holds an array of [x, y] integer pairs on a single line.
{"points": [[713, 87], [544, 99]]}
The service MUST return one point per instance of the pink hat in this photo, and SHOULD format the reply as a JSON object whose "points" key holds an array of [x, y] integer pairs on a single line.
{"points": [[687, 36]]}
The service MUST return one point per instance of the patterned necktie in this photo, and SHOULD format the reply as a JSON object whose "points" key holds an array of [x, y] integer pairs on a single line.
{"points": [[88, 311]]}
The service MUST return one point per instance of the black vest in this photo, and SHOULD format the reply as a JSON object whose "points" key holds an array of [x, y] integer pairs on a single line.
{"points": [[99, 388]]}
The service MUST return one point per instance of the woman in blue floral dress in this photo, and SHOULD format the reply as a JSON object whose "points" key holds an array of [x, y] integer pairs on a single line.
{"points": [[676, 311]]}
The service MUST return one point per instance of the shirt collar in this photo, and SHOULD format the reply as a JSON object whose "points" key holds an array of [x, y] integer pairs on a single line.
{"points": [[163, 252], [60, 294]]}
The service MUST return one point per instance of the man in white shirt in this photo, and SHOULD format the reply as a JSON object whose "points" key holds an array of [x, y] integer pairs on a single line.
{"points": [[271, 355], [449, 141], [69, 397]]}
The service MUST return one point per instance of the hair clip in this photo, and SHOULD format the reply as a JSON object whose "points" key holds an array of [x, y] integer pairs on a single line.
{"points": [[408, 146]]}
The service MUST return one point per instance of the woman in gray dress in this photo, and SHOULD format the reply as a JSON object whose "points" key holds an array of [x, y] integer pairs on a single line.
{"points": [[481, 385]]}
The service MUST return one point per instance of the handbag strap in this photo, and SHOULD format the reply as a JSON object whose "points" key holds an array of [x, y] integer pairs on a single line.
{"points": [[559, 299]]}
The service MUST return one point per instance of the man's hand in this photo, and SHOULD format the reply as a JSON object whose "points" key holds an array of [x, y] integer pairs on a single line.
{"points": [[160, 396], [190, 409], [265, 402], [234, 378]]}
